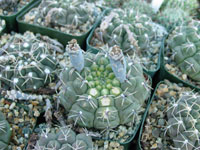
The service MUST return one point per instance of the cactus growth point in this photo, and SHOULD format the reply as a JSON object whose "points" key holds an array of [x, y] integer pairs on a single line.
{"points": [[108, 88]]}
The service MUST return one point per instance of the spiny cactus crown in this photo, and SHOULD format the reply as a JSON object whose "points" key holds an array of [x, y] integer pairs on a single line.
{"points": [[72, 14], [184, 41], [27, 62], [5, 132], [63, 139], [187, 5], [128, 29], [106, 89], [172, 17], [140, 6], [183, 125]]}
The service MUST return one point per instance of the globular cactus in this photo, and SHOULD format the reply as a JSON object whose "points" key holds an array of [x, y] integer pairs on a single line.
{"points": [[28, 62], [106, 89], [172, 17], [132, 31], [187, 5], [64, 139], [5, 132], [71, 16], [183, 125], [184, 44], [140, 6], [176, 12]]}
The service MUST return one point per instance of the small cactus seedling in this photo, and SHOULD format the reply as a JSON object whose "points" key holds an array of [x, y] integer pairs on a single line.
{"points": [[71, 16], [106, 89], [184, 43], [184, 122], [5, 132], [27, 62], [63, 139]]}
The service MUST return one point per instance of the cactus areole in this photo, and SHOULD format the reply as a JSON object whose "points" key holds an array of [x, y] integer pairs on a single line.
{"points": [[102, 90]]}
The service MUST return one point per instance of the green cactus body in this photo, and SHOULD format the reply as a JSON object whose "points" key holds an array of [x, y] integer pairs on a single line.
{"points": [[64, 139], [172, 17], [183, 121], [5, 132], [27, 62], [108, 88], [187, 5], [185, 45], [140, 6], [129, 29], [72, 16]]}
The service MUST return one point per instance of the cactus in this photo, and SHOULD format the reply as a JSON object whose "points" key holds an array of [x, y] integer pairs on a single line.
{"points": [[70, 16], [63, 139], [176, 12], [183, 125], [128, 29], [140, 6], [184, 44], [172, 17], [187, 5], [28, 61], [106, 89], [5, 132]]}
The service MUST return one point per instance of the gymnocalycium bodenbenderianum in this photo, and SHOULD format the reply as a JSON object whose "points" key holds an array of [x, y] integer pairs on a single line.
{"points": [[28, 62], [131, 30], [183, 123], [74, 17], [99, 90], [63, 138], [184, 42], [5, 132]]}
